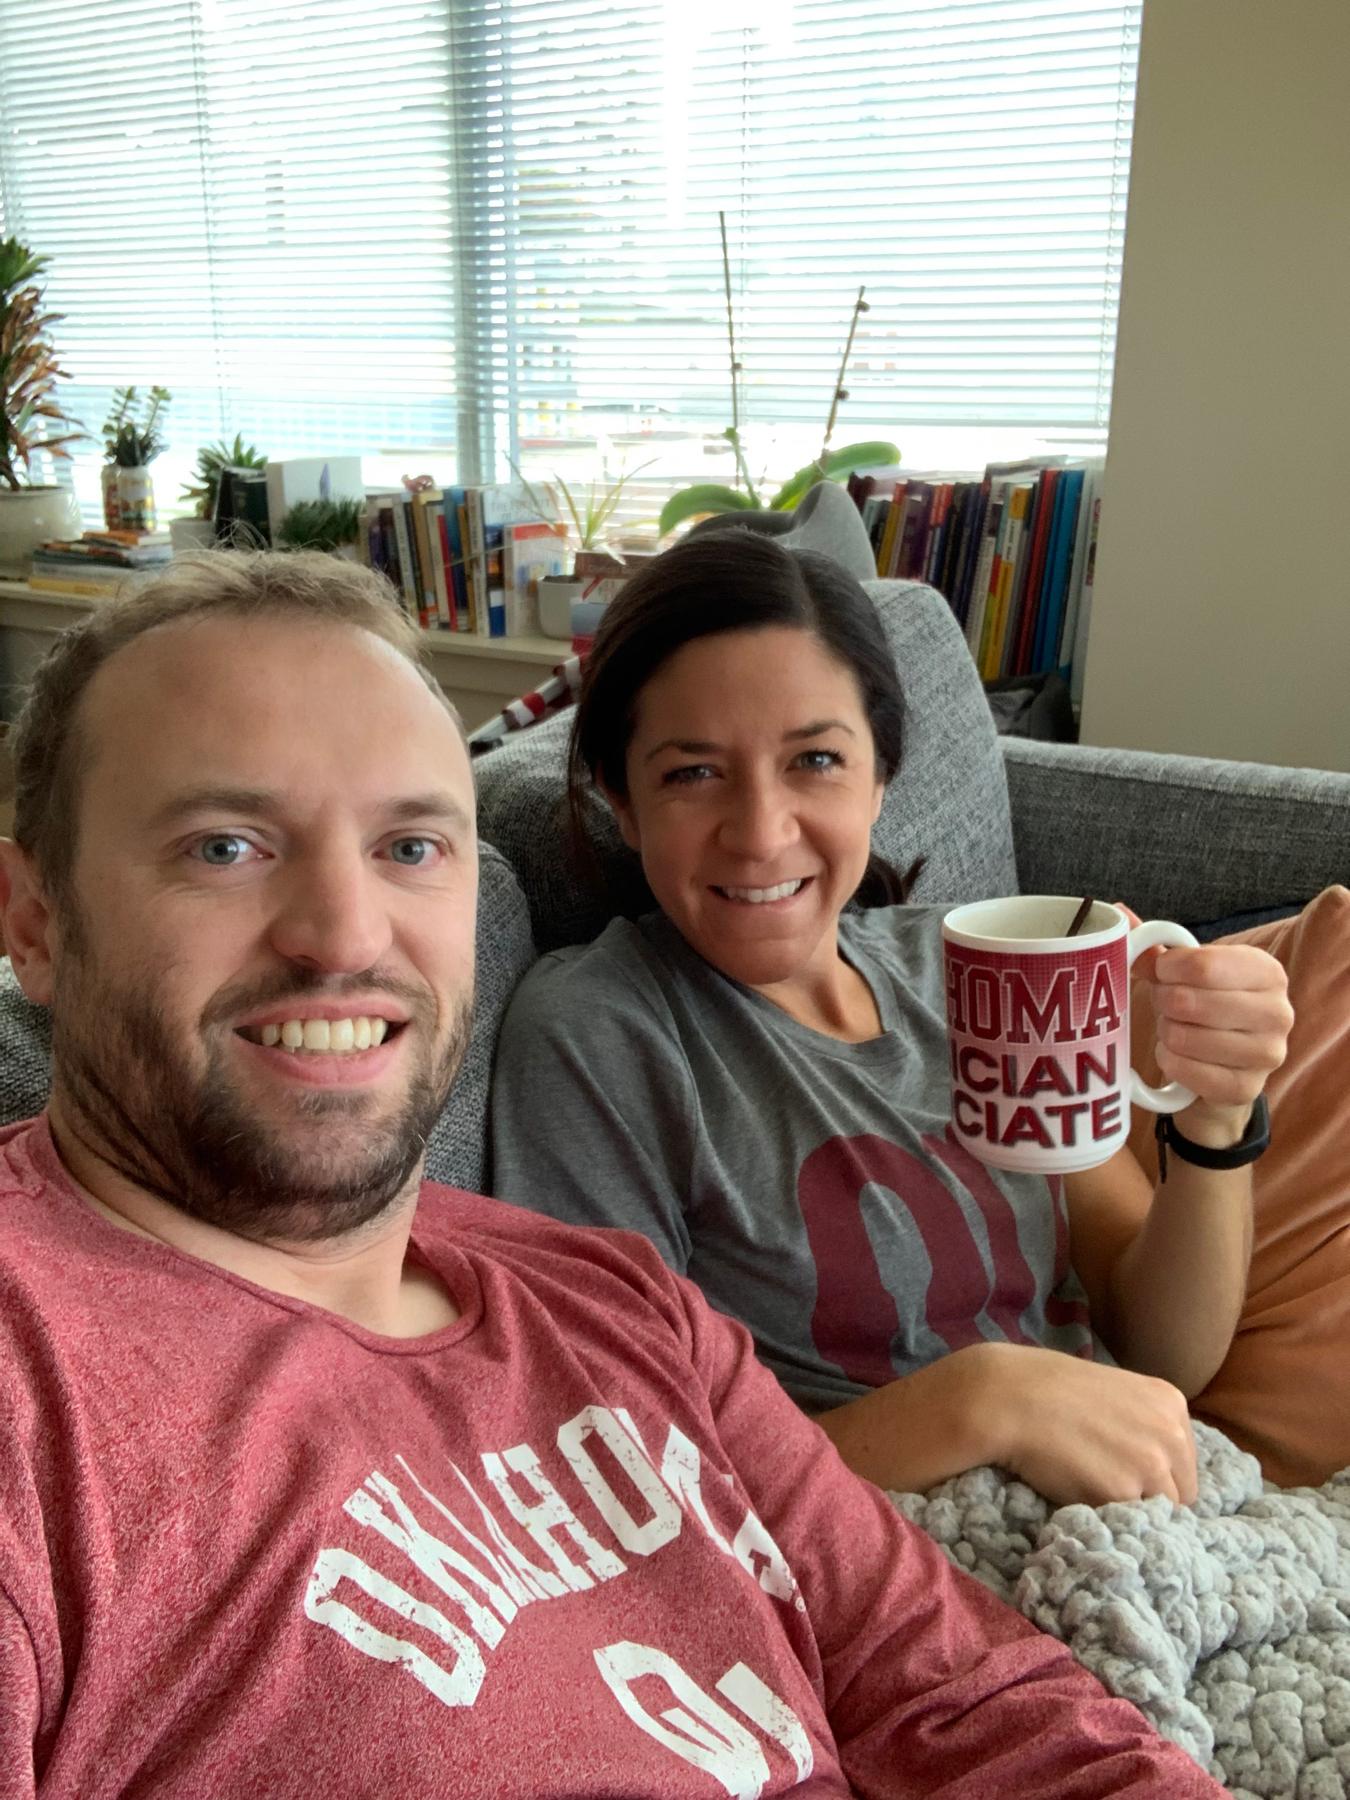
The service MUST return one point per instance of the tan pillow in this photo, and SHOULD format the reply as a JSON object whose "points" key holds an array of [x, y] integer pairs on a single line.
{"points": [[1284, 1389]]}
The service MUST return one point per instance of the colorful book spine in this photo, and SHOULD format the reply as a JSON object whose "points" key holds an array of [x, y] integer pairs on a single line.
{"points": [[440, 547], [405, 554], [984, 564], [456, 574], [1045, 650], [963, 585], [476, 553], [1090, 528], [918, 506], [1092, 470], [470, 613], [1004, 575], [494, 584], [886, 553], [937, 530], [1028, 609]]}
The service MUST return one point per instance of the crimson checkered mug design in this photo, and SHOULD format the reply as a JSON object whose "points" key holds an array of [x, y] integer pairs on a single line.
{"points": [[1038, 1030]]}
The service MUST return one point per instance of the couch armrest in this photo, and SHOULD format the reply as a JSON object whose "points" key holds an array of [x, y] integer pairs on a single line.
{"points": [[1176, 837]]}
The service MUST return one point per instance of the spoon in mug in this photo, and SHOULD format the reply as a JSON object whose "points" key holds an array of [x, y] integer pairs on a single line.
{"points": [[1080, 916]]}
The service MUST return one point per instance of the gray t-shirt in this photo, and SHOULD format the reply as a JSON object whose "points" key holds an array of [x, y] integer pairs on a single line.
{"points": [[813, 1189]]}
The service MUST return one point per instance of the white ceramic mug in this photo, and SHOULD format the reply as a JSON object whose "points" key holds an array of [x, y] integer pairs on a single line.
{"points": [[1038, 1029]]}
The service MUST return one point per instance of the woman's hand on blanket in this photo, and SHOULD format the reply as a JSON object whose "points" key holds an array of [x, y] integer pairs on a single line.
{"points": [[1221, 1021], [1077, 1430], [1074, 1430]]}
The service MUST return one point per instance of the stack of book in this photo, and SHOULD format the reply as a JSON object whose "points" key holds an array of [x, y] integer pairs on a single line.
{"points": [[463, 558], [1013, 550], [97, 563]]}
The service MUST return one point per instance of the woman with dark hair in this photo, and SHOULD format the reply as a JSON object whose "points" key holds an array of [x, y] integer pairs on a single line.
{"points": [[755, 1076]]}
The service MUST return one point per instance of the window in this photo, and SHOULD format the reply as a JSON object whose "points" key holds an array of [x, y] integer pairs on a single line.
{"points": [[445, 232]]}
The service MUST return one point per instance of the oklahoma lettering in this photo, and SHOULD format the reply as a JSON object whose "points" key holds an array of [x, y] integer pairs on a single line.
{"points": [[1037, 1051], [482, 1550]]}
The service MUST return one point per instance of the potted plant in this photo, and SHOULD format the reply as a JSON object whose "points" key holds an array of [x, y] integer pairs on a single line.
{"points": [[332, 525], [584, 520], [204, 491], [133, 436], [31, 416], [707, 497]]}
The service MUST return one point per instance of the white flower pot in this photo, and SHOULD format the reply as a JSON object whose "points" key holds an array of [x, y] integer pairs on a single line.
{"points": [[29, 516], [556, 594]]}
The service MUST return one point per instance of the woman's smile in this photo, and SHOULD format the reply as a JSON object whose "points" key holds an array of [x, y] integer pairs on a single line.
{"points": [[764, 896]]}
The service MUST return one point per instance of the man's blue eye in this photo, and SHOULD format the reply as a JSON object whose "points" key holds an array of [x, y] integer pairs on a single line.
{"points": [[222, 852], [412, 852]]}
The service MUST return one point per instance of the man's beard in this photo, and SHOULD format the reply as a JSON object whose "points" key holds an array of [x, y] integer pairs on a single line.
{"points": [[199, 1144]]}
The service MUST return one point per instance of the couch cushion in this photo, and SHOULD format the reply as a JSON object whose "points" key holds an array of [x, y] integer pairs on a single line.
{"points": [[1178, 837], [948, 804], [457, 1143], [25, 1051], [1284, 1389]]}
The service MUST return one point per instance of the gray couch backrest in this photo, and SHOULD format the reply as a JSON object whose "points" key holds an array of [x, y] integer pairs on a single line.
{"points": [[948, 804]]}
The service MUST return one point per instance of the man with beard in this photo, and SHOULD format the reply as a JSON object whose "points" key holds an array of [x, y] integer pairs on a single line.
{"points": [[316, 1478]]}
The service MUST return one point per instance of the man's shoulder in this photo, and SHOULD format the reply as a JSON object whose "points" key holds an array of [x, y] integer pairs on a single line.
{"points": [[464, 1217], [585, 1258], [29, 1176]]}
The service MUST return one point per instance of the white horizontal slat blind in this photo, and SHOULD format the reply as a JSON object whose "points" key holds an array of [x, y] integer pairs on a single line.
{"points": [[246, 202], [966, 161], [489, 227]]}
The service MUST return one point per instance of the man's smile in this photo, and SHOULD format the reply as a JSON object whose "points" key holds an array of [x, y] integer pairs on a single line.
{"points": [[335, 1037], [359, 1051]]}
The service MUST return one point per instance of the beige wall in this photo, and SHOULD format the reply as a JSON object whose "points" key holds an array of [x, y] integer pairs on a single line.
{"points": [[1221, 617]]}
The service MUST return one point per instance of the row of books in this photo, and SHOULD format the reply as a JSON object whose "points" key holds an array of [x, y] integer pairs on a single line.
{"points": [[460, 559], [1013, 550], [95, 563]]}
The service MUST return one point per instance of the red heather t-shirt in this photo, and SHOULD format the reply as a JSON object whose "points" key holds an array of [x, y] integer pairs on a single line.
{"points": [[577, 1543]]}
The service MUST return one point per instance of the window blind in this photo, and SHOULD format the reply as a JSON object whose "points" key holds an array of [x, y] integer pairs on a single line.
{"points": [[489, 228], [247, 202]]}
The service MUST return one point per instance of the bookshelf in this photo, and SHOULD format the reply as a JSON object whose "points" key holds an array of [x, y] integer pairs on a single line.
{"points": [[479, 674]]}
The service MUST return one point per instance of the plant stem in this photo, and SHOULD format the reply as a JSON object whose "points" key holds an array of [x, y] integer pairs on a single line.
{"points": [[742, 469], [840, 391]]}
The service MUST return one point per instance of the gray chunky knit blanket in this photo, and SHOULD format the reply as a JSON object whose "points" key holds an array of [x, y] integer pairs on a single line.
{"points": [[1227, 1623]]}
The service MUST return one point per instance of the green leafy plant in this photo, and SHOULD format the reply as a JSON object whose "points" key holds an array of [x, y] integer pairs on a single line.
{"points": [[133, 432], [713, 497], [29, 411], [211, 459], [585, 517], [319, 525]]}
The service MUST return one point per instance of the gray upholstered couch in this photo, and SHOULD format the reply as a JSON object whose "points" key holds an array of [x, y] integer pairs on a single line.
{"points": [[1178, 837]]}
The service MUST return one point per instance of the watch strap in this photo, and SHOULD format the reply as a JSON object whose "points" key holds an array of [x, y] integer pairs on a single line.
{"points": [[1254, 1140]]}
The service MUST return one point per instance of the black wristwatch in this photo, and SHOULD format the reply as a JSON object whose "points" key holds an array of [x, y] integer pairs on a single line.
{"points": [[1249, 1146]]}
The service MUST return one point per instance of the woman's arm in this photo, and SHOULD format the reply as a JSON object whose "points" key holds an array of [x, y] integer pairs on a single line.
{"points": [[1072, 1429], [1165, 1270]]}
